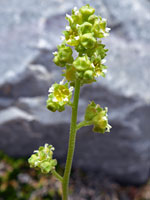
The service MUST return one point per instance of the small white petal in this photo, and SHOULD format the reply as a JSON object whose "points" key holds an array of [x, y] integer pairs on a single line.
{"points": [[62, 38], [104, 20], [109, 127], [52, 148], [51, 89], [55, 53], [77, 25], [71, 89], [106, 34], [65, 99], [69, 17], [101, 31], [107, 29], [104, 71], [103, 61], [46, 145], [104, 118], [75, 8], [36, 163], [95, 54], [76, 12], [55, 100], [68, 28], [36, 151], [92, 65], [62, 82], [77, 38]]}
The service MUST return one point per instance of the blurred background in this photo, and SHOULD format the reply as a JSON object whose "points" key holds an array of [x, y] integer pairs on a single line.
{"points": [[113, 166]]}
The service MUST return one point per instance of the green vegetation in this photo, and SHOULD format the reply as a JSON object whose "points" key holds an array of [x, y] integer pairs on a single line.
{"points": [[19, 182]]}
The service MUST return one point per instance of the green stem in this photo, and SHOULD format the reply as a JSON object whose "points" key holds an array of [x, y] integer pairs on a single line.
{"points": [[83, 123], [60, 178], [72, 140]]}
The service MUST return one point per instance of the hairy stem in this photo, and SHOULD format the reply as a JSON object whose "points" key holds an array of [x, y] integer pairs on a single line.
{"points": [[83, 123], [72, 140], [60, 178]]}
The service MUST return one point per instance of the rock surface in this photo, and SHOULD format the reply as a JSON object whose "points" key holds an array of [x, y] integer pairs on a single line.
{"points": [[27, 71]]}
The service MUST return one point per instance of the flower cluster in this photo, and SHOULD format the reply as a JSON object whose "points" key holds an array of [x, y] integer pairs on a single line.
{"points": [[43, 159], [98, 116], [63, 56], [60, 95], [84, 33]]}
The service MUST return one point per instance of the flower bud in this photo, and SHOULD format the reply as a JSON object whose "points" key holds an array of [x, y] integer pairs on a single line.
{"points": [[82, 63], [66, 34], [88, 75], [73, 40], [100, 50], [80, 49], [86, 27], [51, 106], [63, 56], [91, 111], [43, 159], [86, 11], [100, 70], [70, 73], [92, 18], [88, 41]]}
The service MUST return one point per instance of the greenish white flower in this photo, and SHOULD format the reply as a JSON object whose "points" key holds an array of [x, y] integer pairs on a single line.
{"points": [[43, 159], [98, 117], [63, 56], [60, 95]]}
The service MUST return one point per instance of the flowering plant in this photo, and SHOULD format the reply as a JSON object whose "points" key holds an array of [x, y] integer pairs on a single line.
{"points": [[84, 35]]}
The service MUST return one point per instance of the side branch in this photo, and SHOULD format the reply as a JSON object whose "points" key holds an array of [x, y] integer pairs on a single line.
{"points": [[82, 124], [60, 178]]}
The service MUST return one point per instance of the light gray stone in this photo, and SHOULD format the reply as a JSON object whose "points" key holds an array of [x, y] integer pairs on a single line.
{"points": [[34, 80]]}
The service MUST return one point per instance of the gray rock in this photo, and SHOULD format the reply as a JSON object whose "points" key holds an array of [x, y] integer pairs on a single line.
{"points": [[26, 27], [27, 71], [123, 154], [128, 68], [34, 80]]}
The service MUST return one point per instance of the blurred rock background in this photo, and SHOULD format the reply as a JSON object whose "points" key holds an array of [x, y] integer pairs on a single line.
{"points": [[29, 33]]}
